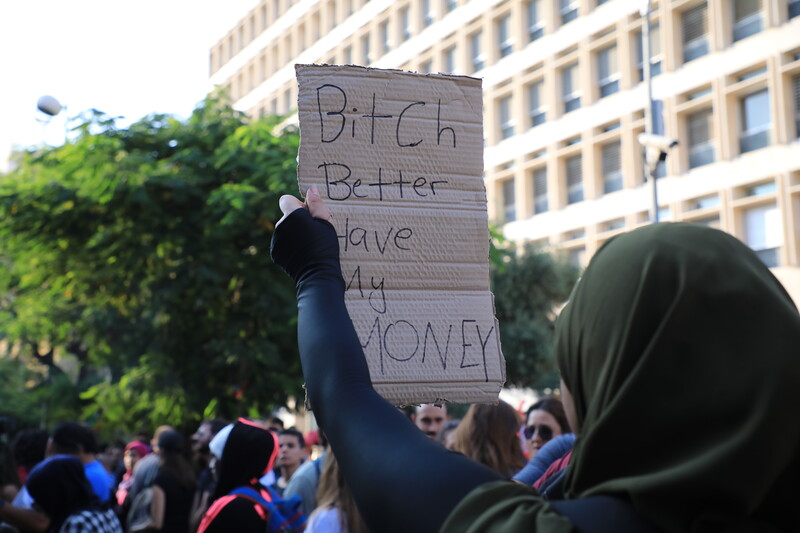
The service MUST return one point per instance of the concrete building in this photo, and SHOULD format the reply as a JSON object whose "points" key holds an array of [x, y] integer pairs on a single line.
{"points": [[564, 102]]}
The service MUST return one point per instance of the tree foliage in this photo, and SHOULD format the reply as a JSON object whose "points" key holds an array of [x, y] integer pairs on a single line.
{"points": [[528, 288], [142, 254]]}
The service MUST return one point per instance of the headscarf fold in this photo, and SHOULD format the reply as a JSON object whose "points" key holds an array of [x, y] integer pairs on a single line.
{"points": [[682, 353]]}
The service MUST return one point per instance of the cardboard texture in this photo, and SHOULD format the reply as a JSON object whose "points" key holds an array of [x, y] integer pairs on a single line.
{"points": [[398, 159]]}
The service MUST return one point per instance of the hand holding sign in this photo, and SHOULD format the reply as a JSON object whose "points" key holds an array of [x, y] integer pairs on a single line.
{"points": [[314, 204]]}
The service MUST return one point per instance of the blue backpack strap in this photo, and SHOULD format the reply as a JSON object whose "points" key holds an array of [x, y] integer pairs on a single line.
{"points": [[251, 494], [284, 515]]}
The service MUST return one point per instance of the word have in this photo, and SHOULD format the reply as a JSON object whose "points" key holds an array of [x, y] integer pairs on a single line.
{"points": [[337, 121], [340, 188], [361, 237], [401, 341]]}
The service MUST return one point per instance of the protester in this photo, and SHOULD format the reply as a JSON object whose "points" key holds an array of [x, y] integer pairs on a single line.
{"points": [[28, 449], [305, 481], [678, 353], [447, 434], [488, 435], [173, 486], [243, 451], [545, 419], [73, 438], [336, 511], [60, 488], [145, 470], [134, 451], [290, 457], [201, 458], [430, 418]]}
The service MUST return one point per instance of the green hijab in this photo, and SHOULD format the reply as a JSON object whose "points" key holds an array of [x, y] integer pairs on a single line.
{"points": [[682, 353]]}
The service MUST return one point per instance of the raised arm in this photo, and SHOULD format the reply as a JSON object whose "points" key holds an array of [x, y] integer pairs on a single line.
{"points": [[402, 481]]}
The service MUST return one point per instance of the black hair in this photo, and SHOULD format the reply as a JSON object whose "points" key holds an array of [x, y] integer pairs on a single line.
{"points": [[29, 447], [555, 408], [73, 438], [296, 433]]}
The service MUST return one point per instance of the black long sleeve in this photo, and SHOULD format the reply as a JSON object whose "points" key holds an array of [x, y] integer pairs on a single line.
{"points": [[402, 481]]}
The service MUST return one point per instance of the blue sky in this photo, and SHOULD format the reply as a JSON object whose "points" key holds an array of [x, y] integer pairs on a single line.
{"points": [[128, 59]]}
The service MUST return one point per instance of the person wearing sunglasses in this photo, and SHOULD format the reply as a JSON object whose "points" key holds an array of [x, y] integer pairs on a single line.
{"points": [[674, 329], [545, 420]]}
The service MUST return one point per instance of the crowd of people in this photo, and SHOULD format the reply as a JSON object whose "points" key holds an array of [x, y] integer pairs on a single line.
{"points": [[678, 353], [213, 481], [679, 357]]}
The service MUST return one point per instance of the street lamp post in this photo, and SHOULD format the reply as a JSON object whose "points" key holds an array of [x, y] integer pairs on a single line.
{"points": [[649, 167]]}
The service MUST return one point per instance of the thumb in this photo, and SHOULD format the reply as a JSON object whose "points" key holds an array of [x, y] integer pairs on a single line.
{"points": [[316, 206], [288, 204]]}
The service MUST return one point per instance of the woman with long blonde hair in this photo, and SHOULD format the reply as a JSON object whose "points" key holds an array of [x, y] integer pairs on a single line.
{"points": [[336, 510], [488, 435]]}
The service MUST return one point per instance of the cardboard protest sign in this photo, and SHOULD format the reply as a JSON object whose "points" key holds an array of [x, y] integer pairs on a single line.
{"points": [[398, 159]]}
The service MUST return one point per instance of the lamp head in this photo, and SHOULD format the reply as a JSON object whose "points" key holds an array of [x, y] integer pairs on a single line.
{"points": [[49, 105]]}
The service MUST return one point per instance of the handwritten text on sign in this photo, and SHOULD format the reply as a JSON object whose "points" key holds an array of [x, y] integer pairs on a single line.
{"points": [[398, 157]]}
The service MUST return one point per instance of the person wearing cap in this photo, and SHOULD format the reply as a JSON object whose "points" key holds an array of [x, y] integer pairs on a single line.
{"points": [[242, 453], [173, 486]]}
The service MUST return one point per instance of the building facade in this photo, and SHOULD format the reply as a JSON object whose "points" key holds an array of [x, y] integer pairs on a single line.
{"points": [[564, 103]]}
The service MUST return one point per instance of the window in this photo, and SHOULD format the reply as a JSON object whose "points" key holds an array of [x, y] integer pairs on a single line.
{"points": [[574, 172], [577, 257], [694, 25], [607, 71], [747, 19], [794, 8], [535, 103], [698, 132], [568, 10], [763, 233], [426, 67], [505, 40], [796, 91], [612, 167], [478, 57], [535, 22], [540, 204], [755, 121], [427, 13], [655, 52], [386, 42], [366, 49], [450, 59], [509, 203], [348, 55], [451, 5], [507, 123], [570, 92], [405, 24]]}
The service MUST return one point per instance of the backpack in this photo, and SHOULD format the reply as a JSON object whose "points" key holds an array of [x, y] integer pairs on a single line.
{"points": [[283, 514], [139, 517]]}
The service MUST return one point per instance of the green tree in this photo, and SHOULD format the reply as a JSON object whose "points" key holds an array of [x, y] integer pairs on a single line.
{"points": [[142, 254], [528, 288]]}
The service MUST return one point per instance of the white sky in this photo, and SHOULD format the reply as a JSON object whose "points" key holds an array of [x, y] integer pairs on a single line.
{"points": [[121, 57]]}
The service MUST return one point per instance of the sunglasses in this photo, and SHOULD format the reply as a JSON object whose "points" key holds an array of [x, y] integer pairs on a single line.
{"points": [[545, 432]]}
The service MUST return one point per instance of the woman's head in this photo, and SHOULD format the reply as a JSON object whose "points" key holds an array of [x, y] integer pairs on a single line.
{"points": [[681, 329], [545, 419], [59, 487], [133, 452], [488, 435]]}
